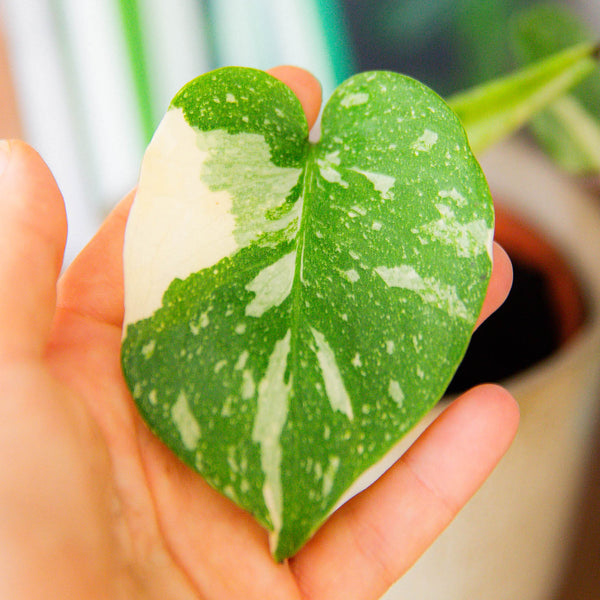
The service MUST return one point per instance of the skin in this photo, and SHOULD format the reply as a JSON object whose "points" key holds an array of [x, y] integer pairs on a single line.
{"points": [[93, 506]]}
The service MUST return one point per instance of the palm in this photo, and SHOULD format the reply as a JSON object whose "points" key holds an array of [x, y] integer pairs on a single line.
{"points": [[125, 517], [178, 536]]}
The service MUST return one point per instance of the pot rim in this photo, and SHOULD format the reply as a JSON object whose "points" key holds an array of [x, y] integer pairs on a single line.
{"points": [[559, 208]]}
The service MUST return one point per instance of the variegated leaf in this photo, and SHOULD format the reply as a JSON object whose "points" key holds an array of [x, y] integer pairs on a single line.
{"points": [[293, 309]]}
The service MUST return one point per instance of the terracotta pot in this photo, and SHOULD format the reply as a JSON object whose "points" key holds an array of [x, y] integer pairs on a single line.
{"points": [[512, 539], [544, 310]]}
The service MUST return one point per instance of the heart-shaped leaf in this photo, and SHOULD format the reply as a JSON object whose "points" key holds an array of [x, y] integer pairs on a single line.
{"points": [[292, 309]]}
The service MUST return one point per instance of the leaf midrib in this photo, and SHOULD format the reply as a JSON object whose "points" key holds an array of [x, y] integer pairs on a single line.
{"points": [[308, 176]]}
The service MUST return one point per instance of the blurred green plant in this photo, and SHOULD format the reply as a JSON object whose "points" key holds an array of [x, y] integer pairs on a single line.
{"points": [[569, 128], [493, 110]]}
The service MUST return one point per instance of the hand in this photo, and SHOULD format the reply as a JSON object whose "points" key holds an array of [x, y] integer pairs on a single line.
{"points": [[93, 506]]}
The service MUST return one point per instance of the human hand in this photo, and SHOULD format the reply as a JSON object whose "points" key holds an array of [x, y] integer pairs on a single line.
{"points": [[92, 505]]}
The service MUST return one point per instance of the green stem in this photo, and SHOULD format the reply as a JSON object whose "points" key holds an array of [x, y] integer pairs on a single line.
{"points": [[132, 29], [494, 110]]}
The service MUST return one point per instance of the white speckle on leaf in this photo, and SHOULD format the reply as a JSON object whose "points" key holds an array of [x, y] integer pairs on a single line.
{"points": [[230, 98], [185, 422], [416, 343], [231, 460], [328, 169], [318, 469], [355, 99], [248, 388], [425, 142], [390, 346], [395, 392], [204, 320], [352, 275], [453, 195], [227, 408], [229, 491], [359, 209], [329, 474], [148, 349], [333, 158], [242, 360], [334, 384]]}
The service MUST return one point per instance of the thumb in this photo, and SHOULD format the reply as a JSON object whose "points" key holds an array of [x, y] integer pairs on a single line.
{"points": [[32, 237]]}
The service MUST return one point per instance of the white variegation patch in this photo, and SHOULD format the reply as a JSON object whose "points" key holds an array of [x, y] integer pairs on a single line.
{"points": [[248, 388], [271, 286], [425, 142], [271, 415], [430, 290], [241, 164], [177, 225], [188, 226], [334, 384], [469, 239], [329, 169], [453, 195]]}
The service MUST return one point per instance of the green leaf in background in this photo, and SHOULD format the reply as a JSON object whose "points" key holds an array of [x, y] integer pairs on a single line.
{"points": [[491, 111], [293, 309], [569, 129]]}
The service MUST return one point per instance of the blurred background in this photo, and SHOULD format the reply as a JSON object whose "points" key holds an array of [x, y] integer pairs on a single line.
{"points": [[87, 81], [90, 79]]}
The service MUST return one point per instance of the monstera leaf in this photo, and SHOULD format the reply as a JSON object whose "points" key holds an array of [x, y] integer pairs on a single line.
{"points": [[293, 309]]}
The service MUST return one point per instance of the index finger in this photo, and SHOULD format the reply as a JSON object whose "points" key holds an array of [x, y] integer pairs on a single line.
{"points": [[500, 284]]}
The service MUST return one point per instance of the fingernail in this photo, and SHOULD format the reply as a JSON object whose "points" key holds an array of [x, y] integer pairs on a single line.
{"points": [[4, 154]]}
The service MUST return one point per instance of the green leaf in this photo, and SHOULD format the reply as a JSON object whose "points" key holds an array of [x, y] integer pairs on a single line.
{"points": [[293, 309], [496, 109], [569, 129]]}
